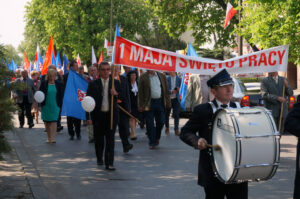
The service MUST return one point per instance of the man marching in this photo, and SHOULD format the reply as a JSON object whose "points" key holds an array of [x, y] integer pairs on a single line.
{"points": [[202, 117]]}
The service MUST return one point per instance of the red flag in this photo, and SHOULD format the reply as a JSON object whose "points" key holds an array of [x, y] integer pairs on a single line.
{"points": [[48, 56], [26, 62], [106, 43], [37, 53], [100, 58], [78, 61], [230, 12]]}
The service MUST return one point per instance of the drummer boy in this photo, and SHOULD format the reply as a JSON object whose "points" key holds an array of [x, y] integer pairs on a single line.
{"points": [[197, 131]]}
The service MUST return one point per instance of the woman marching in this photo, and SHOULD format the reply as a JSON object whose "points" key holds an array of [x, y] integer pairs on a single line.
{"points": [[53, 91]]}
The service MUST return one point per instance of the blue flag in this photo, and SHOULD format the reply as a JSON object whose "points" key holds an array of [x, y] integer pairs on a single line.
{"points": [[53, 61], [31, 67], [117, 33], [58, 61], [65, 64], [75, 92], [39, 62], [185, 78]]}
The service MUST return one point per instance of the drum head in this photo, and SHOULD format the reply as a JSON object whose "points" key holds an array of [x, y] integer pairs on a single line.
{"points": [[223, 134]]}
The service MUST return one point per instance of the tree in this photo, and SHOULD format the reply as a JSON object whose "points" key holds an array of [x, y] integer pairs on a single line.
{"points": [[205, 18], [11, 53], [273, 23], [160, 39], [7, 107], [77, 25], [265, 23]]}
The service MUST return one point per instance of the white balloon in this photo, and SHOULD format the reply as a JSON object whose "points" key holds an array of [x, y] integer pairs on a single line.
{"points": [[39, 96], [88, 103]]}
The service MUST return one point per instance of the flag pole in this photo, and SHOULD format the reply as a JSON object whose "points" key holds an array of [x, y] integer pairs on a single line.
{"points": [[112, 97], [281, 109]]}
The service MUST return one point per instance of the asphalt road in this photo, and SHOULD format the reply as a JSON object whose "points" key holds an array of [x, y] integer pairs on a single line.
{"points": [[68, 169]]}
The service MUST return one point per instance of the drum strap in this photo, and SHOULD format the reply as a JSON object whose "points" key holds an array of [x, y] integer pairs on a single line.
{"points": [[213, 106]]}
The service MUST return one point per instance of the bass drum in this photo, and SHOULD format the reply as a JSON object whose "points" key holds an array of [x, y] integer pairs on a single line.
{"points": [[249, 144]]}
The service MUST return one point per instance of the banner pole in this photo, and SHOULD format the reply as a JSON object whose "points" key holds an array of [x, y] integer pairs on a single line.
{"points": [[281, 109]]}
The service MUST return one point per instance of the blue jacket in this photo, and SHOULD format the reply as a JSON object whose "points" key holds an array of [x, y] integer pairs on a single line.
{"points": [[177, 82]]}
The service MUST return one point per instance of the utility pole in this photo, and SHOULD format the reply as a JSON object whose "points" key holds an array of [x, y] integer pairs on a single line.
{"points": [[240, 39]]}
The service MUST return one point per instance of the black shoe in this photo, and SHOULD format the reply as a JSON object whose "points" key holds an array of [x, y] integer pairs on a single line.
{"points": [[91, 141], [128, 148], [59, 128], [21, 126], [134, 138], [31, 125], [100, 162], [71, 138], [78, 137], [110, 167]]}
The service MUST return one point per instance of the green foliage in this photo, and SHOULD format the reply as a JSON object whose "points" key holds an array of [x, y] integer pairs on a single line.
{"points": [[160, 39], [11, 53], [77, 25], [205, 18], [250, 79], [273, 23], [7, 107]]}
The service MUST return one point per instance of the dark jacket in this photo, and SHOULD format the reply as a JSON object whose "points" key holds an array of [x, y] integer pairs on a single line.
{"points": [[59, 90], [292, 125], [178, 84], [124, 94], [270, 91], [95, 90], [197, 127]]}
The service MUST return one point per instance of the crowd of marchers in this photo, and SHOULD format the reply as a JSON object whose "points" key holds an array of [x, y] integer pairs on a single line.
{"points": [[144, 98]]}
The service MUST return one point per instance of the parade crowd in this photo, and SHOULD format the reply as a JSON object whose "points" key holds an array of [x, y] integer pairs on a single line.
{"points": [[150, 97]]}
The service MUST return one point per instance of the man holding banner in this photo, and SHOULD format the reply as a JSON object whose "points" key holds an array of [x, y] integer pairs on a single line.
{"points": [[101, 90]]}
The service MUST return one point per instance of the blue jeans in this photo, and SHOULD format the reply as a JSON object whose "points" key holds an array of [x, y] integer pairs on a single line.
{"points": [[156, 112], [176, 109]]}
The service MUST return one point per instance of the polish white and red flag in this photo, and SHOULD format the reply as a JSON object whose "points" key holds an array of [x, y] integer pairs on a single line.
{"points": [[106, 43], [78, 60], [230, 12]]}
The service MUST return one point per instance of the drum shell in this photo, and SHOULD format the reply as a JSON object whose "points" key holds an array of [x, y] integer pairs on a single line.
{"points": [[249, 145]]}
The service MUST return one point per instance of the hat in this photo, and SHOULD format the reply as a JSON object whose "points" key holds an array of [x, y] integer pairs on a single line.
{"points": [[220, 79]]}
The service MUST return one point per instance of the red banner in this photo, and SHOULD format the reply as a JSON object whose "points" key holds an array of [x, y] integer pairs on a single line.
{"points": [[135, 55]]}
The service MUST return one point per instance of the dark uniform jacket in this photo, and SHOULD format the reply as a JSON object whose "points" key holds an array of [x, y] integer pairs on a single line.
{"points": [[292, 125], [197, 127], [95, 90]]}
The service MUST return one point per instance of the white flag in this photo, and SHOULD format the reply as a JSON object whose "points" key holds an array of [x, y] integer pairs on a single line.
{"points": [[94, 60]]}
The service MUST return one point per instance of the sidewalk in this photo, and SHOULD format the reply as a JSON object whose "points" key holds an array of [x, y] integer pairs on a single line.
{"points": [[13, 181]]}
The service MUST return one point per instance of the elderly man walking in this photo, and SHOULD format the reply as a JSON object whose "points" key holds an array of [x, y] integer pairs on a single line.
{"points": [[154, 100]]}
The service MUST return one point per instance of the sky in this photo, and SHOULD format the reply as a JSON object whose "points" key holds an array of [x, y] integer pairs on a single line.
{"points": [[12, 21]]}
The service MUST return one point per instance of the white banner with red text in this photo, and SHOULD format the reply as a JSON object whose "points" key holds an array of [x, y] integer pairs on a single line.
{"points": [[131, 54]]}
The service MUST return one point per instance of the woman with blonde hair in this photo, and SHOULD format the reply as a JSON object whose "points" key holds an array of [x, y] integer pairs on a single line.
{"points": [[53, 91]]}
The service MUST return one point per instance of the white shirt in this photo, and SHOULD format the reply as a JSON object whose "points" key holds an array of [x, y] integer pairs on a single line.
{"points": [[105, 102], [275, 79], [134, 88], [219, 103], [155, 86]]}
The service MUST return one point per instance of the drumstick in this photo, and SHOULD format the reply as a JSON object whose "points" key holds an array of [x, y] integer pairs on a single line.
{"points": [[216, 146]]}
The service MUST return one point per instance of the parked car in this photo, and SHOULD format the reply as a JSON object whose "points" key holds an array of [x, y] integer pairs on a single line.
{"points": [[253, 97]]}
